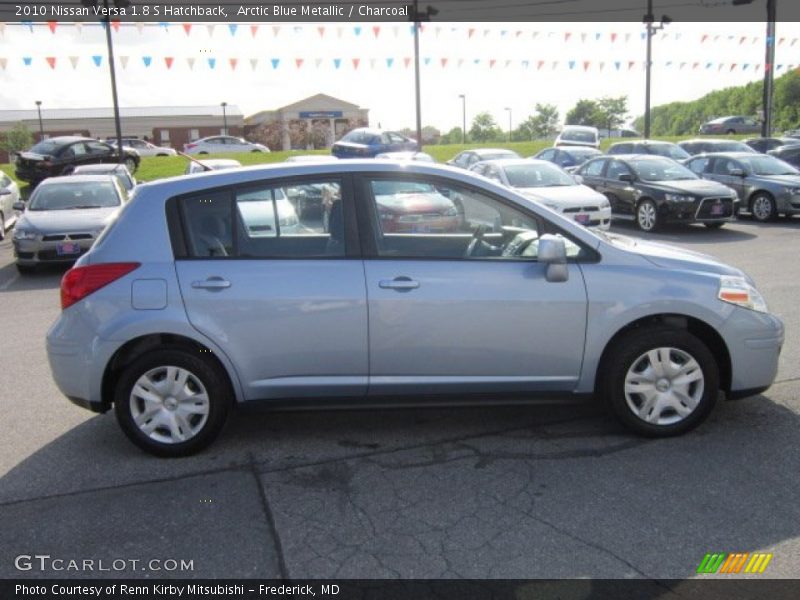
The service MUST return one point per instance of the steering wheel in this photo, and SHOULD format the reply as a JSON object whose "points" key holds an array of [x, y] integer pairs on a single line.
{"points": [[475, 242]]}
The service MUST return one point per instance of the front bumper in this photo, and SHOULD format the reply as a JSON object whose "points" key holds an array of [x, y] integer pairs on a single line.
{"points": [[788, 204], [698, 211], [591, 217], [754, 342], [36, 252]]}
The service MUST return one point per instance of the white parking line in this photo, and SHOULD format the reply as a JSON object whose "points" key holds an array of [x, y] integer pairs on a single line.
{"points": [[9, 283]]}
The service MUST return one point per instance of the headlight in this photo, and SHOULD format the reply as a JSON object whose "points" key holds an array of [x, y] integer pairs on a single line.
{"points": [[678, 198], [25, 234], [736, 290]]}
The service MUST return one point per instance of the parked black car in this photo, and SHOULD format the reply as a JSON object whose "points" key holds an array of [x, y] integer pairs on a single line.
{"points": [[656, 147], [568, 158], [789, 154], [652, 190], [698, 146], [764, 145], [60, 155]]}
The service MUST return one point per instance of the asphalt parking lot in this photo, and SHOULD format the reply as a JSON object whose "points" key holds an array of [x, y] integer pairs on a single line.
{"points": [[490, 492]]}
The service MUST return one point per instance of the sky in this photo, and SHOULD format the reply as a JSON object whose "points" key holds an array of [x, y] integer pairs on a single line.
{"points": [[495, 65]]}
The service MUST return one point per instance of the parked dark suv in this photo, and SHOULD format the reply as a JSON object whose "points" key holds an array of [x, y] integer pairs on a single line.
{"points": [[60, 155], [651, 190]]}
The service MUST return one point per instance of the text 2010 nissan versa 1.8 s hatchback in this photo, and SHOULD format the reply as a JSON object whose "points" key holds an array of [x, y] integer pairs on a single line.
{"points": [[200, 296]]}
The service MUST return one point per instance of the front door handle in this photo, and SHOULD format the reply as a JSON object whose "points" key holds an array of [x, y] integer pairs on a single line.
{"points": [[401, 284], [212, 283]]}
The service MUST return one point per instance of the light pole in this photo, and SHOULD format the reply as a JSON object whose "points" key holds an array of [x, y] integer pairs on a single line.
{"points": [[41, 128], [417, 17], [463, 118], [769, 63], [651, 31], [224, 118], [509, 122]]}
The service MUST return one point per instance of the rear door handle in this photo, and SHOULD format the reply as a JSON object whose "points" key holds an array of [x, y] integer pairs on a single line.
{"points": [[401, 284], [212, 283]]}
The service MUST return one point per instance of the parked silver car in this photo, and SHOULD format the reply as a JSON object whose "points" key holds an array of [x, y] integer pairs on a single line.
{"points": [[173, 334], [766, 186], [63, 218], [731, 125], [127, 180], [9, 196]]}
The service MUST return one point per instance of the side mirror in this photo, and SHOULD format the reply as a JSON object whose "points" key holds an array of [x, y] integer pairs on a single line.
{"points": [[553, 253], [578, 178], [18, 206], [736, 173], [626, 177]]}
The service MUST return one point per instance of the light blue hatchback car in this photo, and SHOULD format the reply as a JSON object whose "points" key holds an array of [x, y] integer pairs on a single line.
{"points": [[203, 295]]}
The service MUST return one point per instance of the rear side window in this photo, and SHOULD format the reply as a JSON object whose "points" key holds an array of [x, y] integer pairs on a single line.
{"points": [[594, 168], [293, 220]]}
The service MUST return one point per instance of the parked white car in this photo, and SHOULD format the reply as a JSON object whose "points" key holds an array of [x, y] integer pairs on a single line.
{"points": [[9, 194], [211, 164], [145, 148], [578, 135], [222, 144], [548, 184]]}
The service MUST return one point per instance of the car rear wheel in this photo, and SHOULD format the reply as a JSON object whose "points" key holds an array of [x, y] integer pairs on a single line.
{"points": [[131, 164], [661, 381], [172, 402], [2, 227], [762, 207], [647, 216], [731, 132]]}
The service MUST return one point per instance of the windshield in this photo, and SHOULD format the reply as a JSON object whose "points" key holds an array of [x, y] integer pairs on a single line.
{"points": [[581, 155], [68, 196], [661, 170], [767, 165], [668, 150], [45, 147], [575, 135], [388, 188], [730, 147], [536, 175]]}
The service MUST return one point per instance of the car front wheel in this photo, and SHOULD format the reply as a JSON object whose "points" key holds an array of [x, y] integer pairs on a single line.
{"points": [[130, 164], [762, 207], [661, 381], [172, 402], [647, 216]]}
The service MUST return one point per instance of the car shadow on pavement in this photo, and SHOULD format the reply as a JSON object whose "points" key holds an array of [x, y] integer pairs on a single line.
{"points": [[44, 277], [485, 492], [685, 234]]}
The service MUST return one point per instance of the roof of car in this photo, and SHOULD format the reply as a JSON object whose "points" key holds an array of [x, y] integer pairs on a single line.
{"points": [[481, 151], [508, 162], [645, 142], [709, 141], [639, 157], [99, 168], [67, 139], [76, 179], [730, 154], [582, 127]]}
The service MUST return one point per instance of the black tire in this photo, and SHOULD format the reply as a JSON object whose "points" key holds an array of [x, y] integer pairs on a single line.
{"points": [[202, 152], [26, 269], [762, 207], [131, 164], [627, 353], [731, 132], [713, 225], [255, 150], [647, 225], [2, 227], [209, 373]]}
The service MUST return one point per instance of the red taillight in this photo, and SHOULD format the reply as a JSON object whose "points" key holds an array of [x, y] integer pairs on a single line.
{"points": [[79, 282]]}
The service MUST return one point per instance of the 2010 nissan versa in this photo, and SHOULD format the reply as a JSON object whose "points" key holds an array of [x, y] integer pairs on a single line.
{"points": [[200, 297]]}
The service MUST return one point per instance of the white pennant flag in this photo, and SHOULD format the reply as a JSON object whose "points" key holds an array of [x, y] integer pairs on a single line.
{"points": [[74, 61], [190, 62], [2, 29], [3, 63], [253, 63], [210, 30], [79, 27], [318, 62], [339, 31], [371, 63], [123, 60], [139, 27]]}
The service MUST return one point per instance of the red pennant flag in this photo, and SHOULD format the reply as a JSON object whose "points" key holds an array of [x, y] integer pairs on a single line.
{"points": [[52, 25], [733, 66], [168, 60], [406, 61], [695, 65], [491, 62], [276, 30], [539, 65], [187, 27], [233, 62], [742, 39], [586, 64], [444, 62], [51, 60], [630, 64], [566, 36], [376, 31], [355, 62], [704, 38], [253, 30], [115, 25], [780, 41], [321, 31], [613, 37], [298, 62]]}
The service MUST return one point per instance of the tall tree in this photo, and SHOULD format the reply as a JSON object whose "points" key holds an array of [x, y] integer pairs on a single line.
{"points": [[484, 128], [585, 112], [611, 112], [16, 139]]}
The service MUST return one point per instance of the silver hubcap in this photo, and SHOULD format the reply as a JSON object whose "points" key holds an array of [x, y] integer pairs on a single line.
{"points": [[169, 404], [762, 208], [647, 216], [664, 386]]}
